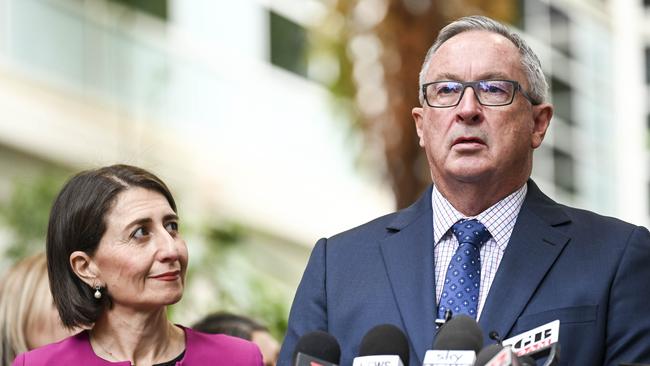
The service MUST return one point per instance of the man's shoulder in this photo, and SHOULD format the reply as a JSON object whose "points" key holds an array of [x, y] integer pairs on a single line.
{"points": [[571, 218], [590, 228], [596, 221], [395, 221], [383, 226], [376, 226]]}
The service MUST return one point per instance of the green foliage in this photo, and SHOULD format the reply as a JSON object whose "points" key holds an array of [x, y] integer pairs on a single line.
{"points": [[225, 236], [269, 307], [235, 285], [27, 210], [248, 292]]}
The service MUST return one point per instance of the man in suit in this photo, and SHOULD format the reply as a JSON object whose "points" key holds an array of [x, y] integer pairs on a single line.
{"points": [[531, 260]]}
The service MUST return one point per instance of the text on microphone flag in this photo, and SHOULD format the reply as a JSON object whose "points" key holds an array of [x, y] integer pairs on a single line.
{"points": [[535, 339]]}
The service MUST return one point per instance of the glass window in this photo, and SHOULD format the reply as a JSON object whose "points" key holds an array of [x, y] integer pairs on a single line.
{"points": [[562, 95], [288, 44], [564, 170], [647, 145], [560, 31], [158, 8]]}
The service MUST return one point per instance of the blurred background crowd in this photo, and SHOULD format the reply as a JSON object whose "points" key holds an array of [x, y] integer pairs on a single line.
{"points": [[277, 122]]}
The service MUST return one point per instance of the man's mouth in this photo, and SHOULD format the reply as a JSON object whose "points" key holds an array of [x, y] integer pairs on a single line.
{"points": [[468, 140]]}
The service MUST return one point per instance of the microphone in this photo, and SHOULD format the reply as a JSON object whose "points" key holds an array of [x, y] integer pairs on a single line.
{"points": [[384, 345], [460, 333], [538, 343], [457, 343], [487, 353], [317, 348]]}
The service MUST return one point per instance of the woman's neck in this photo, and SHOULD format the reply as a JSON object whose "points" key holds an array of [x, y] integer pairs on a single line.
{"points": [[142, 338]]}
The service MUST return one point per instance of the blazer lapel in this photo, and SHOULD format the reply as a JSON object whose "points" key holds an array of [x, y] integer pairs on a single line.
{"points": [[408, 257], [534, 246]]}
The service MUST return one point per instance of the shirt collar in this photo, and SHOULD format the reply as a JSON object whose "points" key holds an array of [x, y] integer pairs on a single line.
{"points": [[499, 218]]}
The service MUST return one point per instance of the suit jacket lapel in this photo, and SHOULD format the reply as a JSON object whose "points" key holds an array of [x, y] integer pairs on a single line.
{"points": [[534, 246], [408, 257]]}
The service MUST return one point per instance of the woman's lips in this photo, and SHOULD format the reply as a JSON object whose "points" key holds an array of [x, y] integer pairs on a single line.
{"points": [[168, 276]]}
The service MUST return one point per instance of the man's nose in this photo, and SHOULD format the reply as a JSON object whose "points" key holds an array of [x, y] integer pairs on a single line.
{"points": [[469, 108]]}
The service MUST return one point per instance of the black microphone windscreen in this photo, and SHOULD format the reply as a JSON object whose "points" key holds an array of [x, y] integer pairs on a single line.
{"points": [[385, 339], [460, 333], [319, 344], [487, 354]]}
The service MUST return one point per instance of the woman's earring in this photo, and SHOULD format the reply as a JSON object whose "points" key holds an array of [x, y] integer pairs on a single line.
{"points": [[98, 294]]}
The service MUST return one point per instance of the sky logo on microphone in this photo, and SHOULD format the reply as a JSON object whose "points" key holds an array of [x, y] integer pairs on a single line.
{"points": [[449, 358]]}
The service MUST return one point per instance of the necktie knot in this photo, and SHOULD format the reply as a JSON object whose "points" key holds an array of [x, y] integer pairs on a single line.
{"points": [[471, 232]]}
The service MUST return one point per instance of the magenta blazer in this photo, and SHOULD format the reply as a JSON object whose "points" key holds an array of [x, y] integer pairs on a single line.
{"points": [[200, 349]]}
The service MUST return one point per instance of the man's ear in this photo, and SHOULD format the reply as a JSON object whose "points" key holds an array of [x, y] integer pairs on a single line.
{"points": [[542, 115], [85, 268], [418, 117]]}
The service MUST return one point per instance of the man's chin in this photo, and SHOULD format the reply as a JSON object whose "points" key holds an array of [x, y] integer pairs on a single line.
{"points": [[465, 173]]}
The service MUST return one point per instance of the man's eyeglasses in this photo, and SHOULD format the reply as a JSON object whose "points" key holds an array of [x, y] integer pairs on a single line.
{"points": [[493, 93]]}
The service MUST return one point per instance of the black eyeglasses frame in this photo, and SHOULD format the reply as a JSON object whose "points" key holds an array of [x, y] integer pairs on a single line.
{"points": [[473, 85]]}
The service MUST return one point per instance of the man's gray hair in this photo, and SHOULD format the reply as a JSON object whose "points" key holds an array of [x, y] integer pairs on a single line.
{"points": [[529, 60]]}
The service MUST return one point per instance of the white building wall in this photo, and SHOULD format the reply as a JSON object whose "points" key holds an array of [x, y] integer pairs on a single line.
{"points": [[607, 133]]}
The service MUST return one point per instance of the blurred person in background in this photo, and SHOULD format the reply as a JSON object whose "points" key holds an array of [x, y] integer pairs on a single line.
{"points": [[116, 259], [242, 327], [28, 317]]}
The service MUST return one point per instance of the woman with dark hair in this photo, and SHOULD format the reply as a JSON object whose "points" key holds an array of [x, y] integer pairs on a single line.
{"points": [[116, 259]]}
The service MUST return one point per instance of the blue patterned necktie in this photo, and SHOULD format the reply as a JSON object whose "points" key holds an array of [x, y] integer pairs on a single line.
{"points": [[461, 289]]}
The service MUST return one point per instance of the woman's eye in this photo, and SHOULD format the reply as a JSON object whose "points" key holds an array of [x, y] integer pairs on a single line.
{"points": [[140, 233]]}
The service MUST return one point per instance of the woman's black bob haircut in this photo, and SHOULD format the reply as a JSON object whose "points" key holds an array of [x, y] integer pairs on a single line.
{"points": [[77, 222]]}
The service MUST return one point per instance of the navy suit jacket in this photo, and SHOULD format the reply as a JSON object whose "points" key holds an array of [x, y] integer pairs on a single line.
{"points": [[586, 270]]}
